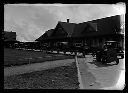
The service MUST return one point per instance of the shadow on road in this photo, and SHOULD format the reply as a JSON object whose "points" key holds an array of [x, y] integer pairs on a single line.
{"points": [[99, 64]]}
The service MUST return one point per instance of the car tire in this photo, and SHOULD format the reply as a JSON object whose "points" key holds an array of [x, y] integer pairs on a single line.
{"points": [[117, 61], [122, 56]]}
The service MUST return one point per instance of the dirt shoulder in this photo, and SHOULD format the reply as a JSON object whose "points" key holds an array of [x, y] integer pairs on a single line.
{"points": [[64, 77]]}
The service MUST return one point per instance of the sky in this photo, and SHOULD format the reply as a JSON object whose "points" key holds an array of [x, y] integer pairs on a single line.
{"points": [[30, 21]]}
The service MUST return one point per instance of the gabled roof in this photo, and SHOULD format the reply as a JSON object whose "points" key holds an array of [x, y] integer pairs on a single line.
{"points": [[75, 30], [106, 26], [82, 29], [45, 35], [72, 30], [78, 29], [42, 36], [68, 27], [49, 32]]}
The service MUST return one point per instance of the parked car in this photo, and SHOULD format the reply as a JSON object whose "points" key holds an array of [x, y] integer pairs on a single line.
{"points": [[116, 46], [110, 52]]}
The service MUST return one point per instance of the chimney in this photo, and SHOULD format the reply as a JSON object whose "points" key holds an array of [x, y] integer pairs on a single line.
{"points": [[67, 20]]}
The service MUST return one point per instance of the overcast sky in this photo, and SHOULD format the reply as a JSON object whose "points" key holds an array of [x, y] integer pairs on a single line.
{"points": [[30, 21]]}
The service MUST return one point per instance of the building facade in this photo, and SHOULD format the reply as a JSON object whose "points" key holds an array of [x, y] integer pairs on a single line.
{"points": [[9, 38], [92, 33]]}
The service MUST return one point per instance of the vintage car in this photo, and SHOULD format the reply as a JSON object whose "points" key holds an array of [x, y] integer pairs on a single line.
{"points": [[110, 52], [116, 46]]}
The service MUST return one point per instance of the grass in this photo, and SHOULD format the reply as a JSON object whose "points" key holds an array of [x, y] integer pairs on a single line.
{"points": [[64, 77], [21, 57]]}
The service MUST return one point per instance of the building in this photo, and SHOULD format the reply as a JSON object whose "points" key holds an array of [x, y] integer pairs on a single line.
{"points": [[9, 38], [93, 33], [107, 29], [67, 32]]}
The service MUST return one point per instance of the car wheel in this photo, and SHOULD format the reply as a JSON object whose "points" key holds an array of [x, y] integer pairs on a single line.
{"points": [[117, 61], [122, 56]]}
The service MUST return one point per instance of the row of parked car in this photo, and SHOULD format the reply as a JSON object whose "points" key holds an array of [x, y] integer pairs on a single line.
{"points": [[109, 52]]}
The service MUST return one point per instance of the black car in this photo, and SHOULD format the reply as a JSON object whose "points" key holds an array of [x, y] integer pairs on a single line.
{"points": [[115, 45], [110, 52]]}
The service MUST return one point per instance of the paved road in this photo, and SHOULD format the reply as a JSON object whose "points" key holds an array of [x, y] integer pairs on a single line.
{"points": [[95, 75], [36, 67]]}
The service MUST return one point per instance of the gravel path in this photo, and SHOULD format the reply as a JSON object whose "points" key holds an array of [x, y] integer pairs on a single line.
{"points": [[15, 70]]}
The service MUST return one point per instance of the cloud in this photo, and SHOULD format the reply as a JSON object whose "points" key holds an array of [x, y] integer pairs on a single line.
{"points": [[85, 12], [31, 21], [20, 38]]}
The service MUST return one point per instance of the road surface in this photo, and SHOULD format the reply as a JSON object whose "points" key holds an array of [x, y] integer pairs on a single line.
{"points": [[95, 75]]}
